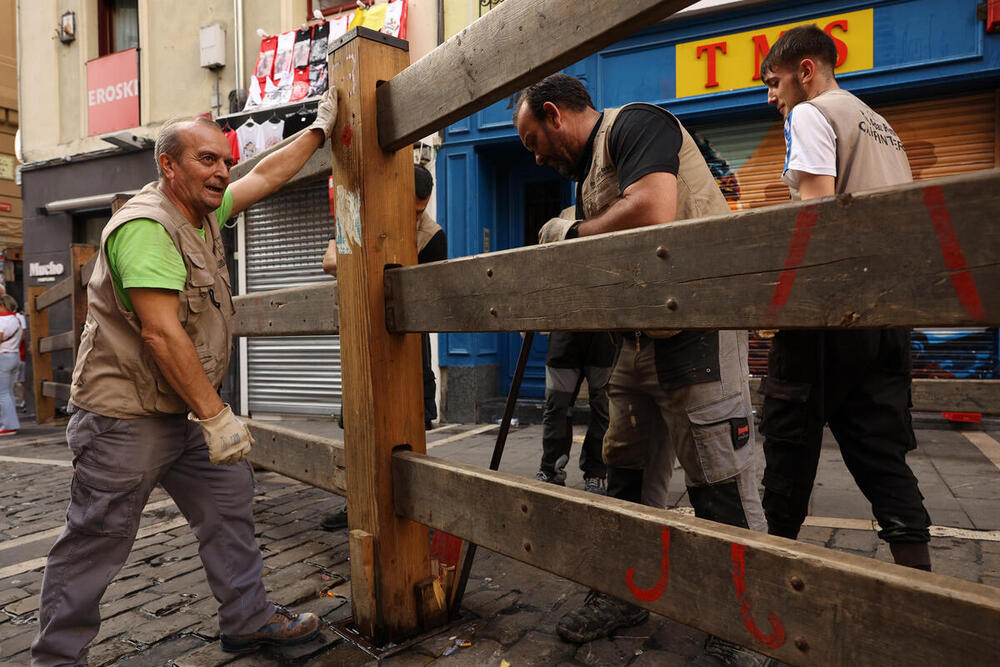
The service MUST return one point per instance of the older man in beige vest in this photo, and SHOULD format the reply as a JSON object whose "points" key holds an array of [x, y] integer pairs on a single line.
{"points": [[857, 381], [637, 166], [145, 402]]}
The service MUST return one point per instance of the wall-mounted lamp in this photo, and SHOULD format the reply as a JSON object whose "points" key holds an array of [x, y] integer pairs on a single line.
{"points": [[67, 27]]}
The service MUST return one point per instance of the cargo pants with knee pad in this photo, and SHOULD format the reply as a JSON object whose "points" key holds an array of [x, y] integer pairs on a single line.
{"points": [[690, 393]]}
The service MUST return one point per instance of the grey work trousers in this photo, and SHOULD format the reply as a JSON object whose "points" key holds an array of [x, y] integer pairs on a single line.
{"points": [[117, 463], [708, 426]]}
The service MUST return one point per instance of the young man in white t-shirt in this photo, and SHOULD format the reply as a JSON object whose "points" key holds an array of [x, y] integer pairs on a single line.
{"points": [[855, 381]]}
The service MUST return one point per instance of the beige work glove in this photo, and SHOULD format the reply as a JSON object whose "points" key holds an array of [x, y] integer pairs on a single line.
{"points": [[228, 439], [326, 113], [555, 229]]}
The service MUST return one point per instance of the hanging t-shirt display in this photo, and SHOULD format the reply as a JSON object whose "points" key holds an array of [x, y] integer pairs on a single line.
{"points": [[270, 133], [250, 140], [234, 143], [318, 59], [283, 57], [300, 84], [300, 55], [395, 19], [339, 25], [265, 59]]}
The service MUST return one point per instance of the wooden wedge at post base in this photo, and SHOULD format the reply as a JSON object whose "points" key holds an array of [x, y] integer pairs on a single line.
{"points": [[515, 44], [920, 254], [803, 604]]}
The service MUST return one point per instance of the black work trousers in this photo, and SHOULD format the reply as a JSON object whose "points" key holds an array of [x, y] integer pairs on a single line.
{"points": [[858, 382], [573, 356]]}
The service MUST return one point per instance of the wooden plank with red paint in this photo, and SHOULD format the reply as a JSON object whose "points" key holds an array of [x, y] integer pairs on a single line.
{"points": [[800, 603], [916, 255]]}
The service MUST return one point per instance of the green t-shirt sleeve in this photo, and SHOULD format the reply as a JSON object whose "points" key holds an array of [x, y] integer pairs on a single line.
{"points": [[142, 254], [225, 208]]}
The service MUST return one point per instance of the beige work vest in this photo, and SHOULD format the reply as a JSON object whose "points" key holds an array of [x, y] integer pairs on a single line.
{"points": [[426, 229], [698, 194], [115, 374], [869, 154]]}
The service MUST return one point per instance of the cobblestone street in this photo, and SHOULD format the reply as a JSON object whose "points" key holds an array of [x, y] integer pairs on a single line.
{"points": [[159, 610]]}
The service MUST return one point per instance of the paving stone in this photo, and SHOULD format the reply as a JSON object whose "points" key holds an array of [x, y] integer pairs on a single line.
{"points": [[119, 625], [11, 647], [816, 535], [861, 541], [412, 659], [210, 654], [603, 652], [12, 595], [343, 654], [481, 652], [111, 609], [175, 569], [296, 592], [108, 652], [155, 629], [656, 658], [24, 606], [193, 582], [488, 602], [508, 628], [168, 604], [298, 554], [161, 653], [539, 649], [676, 638], [120, 588]]}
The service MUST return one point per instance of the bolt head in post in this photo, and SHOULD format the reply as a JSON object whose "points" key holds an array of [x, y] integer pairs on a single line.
{"points": [[801, 644], [672, 304], [796, 582], [661, 252]]}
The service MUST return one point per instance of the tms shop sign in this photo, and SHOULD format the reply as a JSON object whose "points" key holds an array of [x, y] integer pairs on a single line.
{"points": [[46, 273]]}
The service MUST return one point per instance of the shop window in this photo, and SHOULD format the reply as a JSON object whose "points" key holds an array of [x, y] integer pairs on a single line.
{"points": [[87, 227], [118, 25]]}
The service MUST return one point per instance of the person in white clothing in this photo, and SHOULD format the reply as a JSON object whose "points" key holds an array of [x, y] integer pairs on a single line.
{"points": [[11, 332]]}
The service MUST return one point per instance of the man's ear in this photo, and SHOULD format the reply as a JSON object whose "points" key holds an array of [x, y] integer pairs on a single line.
{"points": [[552, 114], [807, 70], [166, 165]]}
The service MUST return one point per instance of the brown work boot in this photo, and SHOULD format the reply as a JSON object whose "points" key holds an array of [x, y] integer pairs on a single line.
{"points": [[283, 629]]}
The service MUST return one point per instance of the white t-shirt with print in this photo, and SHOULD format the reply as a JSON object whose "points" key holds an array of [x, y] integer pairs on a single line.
{"points": [[810, 144]]}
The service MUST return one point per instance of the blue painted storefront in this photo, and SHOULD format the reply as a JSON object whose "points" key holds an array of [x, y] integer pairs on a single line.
{"points": [[922, 49]]}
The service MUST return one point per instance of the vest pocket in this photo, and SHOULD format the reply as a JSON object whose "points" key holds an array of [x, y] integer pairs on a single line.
{"points": [[104, 502]]}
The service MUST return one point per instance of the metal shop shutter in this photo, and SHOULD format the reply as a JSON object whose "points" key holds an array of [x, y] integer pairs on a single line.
{"points": [[286, 236]]}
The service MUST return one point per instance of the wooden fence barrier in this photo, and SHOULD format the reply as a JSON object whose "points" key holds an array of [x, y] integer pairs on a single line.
{"points": [[917, 255], [43, 344]]}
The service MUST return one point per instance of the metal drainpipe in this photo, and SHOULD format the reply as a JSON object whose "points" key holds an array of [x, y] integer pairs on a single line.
{"points": [[238, 41]]}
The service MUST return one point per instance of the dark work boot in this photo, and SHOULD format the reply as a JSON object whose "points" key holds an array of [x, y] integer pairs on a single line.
{"points": [[720, 653], [599, 616], [334, 520], [911, 554]]}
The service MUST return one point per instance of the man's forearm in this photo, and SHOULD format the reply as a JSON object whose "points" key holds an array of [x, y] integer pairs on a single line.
{"points": [[278, 167], [176, 358], [652, 200]]}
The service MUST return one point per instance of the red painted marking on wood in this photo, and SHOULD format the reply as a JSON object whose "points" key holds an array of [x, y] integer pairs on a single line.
{"points": [[804, 223], [346, 136], [951, 249], [656, 592], [777, 638]]}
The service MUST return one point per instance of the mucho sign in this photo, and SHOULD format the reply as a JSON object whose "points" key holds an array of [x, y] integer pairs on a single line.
{"points": [[731, 62], [113, 92]]}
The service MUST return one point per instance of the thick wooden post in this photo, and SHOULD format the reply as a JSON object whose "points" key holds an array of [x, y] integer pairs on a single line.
{"points": [[383, 410], [41, 364]]}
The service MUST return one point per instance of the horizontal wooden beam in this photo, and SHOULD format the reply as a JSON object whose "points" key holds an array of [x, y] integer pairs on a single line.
{"points": [[800, 603], [294, 311], [936, 395], [57, 390], [63, 341], [918, 255], [317, 166], [515, 44], [308, 458], [58, 292]]}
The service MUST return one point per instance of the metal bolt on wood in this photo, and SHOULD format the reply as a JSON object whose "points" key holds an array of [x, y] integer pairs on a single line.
{"points": [[661, 252], [672, 304], [797, 583]]}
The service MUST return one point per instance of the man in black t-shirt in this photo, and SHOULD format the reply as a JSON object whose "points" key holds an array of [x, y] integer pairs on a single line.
{"points": [[685, 391]]}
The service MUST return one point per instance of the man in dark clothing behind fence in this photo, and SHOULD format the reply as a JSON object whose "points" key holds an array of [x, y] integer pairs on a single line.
{"points": [[857, 381]]}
